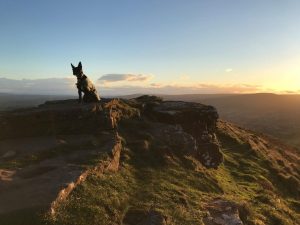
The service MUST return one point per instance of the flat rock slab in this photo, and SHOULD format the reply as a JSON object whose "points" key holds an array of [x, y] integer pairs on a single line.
{"points": [[38, 184], [31, 145], [54, 118]]}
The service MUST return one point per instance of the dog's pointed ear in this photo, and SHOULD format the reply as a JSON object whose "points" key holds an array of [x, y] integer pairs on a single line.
{"points": [[72, 66], [80, 65]]}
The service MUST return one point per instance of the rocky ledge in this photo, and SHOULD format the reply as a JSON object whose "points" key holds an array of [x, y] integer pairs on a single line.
{"points": [[56, 144], [191, 123], [194, 122]]}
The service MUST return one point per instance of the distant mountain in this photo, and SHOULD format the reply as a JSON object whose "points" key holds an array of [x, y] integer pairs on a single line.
{"points": [[14, 101]]}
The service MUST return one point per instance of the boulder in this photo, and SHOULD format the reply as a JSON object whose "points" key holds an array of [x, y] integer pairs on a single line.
{"points": [[144, 217], [8, 154], [222, 212], [195, 125]]}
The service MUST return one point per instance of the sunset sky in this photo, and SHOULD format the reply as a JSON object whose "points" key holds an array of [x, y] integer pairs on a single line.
{"points": [[151, 46]]}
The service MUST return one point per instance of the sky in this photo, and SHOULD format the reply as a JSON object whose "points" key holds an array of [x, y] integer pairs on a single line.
{"points": [[157, 46]]}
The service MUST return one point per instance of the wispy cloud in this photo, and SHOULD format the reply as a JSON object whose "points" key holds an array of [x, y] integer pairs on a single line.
{"points": [[228, 70], [38, 86], [57, 86], [109, 78], [197, 88]]}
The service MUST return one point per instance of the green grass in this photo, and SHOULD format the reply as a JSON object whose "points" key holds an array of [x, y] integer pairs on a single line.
{"points": [[257, 183], [172, 189], [178, 187]]}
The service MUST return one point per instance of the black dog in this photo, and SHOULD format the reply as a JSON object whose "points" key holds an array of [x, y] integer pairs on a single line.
{"points": [[85, 85]]}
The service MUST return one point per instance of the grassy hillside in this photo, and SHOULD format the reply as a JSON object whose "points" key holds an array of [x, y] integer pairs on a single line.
{"points": [[161, 177], [180, 188]]}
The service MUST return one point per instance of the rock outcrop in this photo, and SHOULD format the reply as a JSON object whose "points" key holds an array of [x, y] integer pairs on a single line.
{"points": [[54, 134], [200, 121], [143, 217], [222, 212], [64, 117], [142, 161], [46, 150], [69, 117]]}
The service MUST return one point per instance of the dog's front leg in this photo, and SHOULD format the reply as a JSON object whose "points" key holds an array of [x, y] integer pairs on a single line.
{"points": [[80, 96], [79, 93]]}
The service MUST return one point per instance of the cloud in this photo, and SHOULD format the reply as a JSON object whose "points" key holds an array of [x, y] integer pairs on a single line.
{"points": [[157, 85], [198, 88], [66, 86], [109, 78], [51, 86], [290, 92], [228, 70], [230, 88]]}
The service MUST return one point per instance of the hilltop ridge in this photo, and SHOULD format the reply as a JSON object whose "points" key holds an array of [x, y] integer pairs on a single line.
{"points": [[141, 161]]}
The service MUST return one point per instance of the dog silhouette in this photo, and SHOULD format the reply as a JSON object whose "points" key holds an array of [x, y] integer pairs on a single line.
{"points": [[85, 85]]}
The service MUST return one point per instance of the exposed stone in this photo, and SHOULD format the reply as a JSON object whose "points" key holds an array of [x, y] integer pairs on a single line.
{"points": [[195, 126], [65, 117], [175, 137], [209, 155], [184, 127], [143, 217], [142, 145], [78, 131], [222, 212], [6, 175], [9, 154]]}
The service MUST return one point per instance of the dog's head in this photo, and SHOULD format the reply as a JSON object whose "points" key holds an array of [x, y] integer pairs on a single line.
{"points": [[77, 71]]}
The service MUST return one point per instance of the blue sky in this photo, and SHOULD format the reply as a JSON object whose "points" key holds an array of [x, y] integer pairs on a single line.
{"points": [[188, 45]]}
